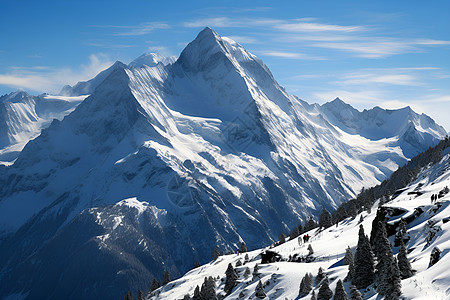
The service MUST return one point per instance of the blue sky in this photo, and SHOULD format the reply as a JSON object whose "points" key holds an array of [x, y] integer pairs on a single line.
{"points": [[368, 53]]}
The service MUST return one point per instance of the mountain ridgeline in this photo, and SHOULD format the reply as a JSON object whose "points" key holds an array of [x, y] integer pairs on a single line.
{"points": [[164, 160]]}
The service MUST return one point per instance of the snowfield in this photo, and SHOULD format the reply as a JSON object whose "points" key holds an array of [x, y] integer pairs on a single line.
{"points": [[282, 279]]}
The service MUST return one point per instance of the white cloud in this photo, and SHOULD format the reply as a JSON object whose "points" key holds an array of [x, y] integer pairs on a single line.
{"points": [[243, 39], [315, 27], [135, 30], [45, 79], [394, 79], [291, 55]]}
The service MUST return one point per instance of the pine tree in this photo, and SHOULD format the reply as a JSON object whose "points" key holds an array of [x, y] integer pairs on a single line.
{"points": [[256, 271], [247, 272], [243, 248], [325, 293], [208, 290], [325, 220], [294, 233], [351, 272], [166, 277], [140, 295], [246, 259], [260, 291], [313, 296], [186, 297], [403, 262], [311, 224], [364, 261], [389, 282], [339, 293], [282, 238], [128, 296], [348, 258], [310, 250], [215, 253], [355, 294], [155, 285], [238, 263], [231, 279], [197, 295], [401, 233], [306, 285], [320, 276]]}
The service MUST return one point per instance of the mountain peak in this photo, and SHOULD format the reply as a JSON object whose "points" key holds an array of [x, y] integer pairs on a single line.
{"points": [[151, 60]]}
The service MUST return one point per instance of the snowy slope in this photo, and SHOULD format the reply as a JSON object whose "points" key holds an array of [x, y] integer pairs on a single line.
{"points": [[210, 141], [282, 279], [151, 60], [22, 117]]}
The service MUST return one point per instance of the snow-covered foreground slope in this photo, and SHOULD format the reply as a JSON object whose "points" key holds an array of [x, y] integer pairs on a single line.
{"points": [[428, 228], [210, 142], [22, 117]]}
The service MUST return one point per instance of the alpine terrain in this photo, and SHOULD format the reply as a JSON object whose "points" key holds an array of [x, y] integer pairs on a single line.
{"points": [[165, 159]]}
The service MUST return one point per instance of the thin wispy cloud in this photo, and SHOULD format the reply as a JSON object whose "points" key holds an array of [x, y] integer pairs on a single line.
{"points": [[136, 30], [290, 55], [315, 27], [109, 46], [244, 39]]}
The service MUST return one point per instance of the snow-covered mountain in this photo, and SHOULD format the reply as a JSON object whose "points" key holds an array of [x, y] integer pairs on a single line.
{"points": [[427, 232], [22, 117], [151, 60], [123, 183]]}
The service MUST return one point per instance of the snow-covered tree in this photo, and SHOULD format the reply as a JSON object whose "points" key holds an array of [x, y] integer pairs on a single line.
{"points": [[260, 291], [208, 290], [197, 295], [256, 271], [313, 296], [231, 279], [325, 220], [389, 282], [246, 259], [364, 261], [403, 262], [339, 293], [320, 276], [306, 285], [155, 285], [401, 233], [247, 272], [166, 277], [310, 250], [355, 294], [351, 272], [243, 248], [325, 293], [348, 258], [238, 263]]}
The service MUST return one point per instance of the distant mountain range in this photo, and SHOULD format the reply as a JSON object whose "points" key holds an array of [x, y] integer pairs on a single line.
{"points": [[166, 159]]}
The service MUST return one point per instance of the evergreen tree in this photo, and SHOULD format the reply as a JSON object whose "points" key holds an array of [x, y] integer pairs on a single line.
{"points": [[140, 295], [389, 282], [246, 259], [351, 272], [306, 285], [260, 291], [339, 293], [348, 258], [325, 293], [310, 250], [282, 238], [313, 296], [294, 233], [231, 279], [238, 263], [256, 271], [403, 263], [208, 290], [325, 220], [128, 296], [355, 294], [215, 253], [186, 297], [155, 285], [197, 295], [243, 248], [401, 233], [166, 277], [320, 276], [364, 261], [247, 272], [311, 224]]}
